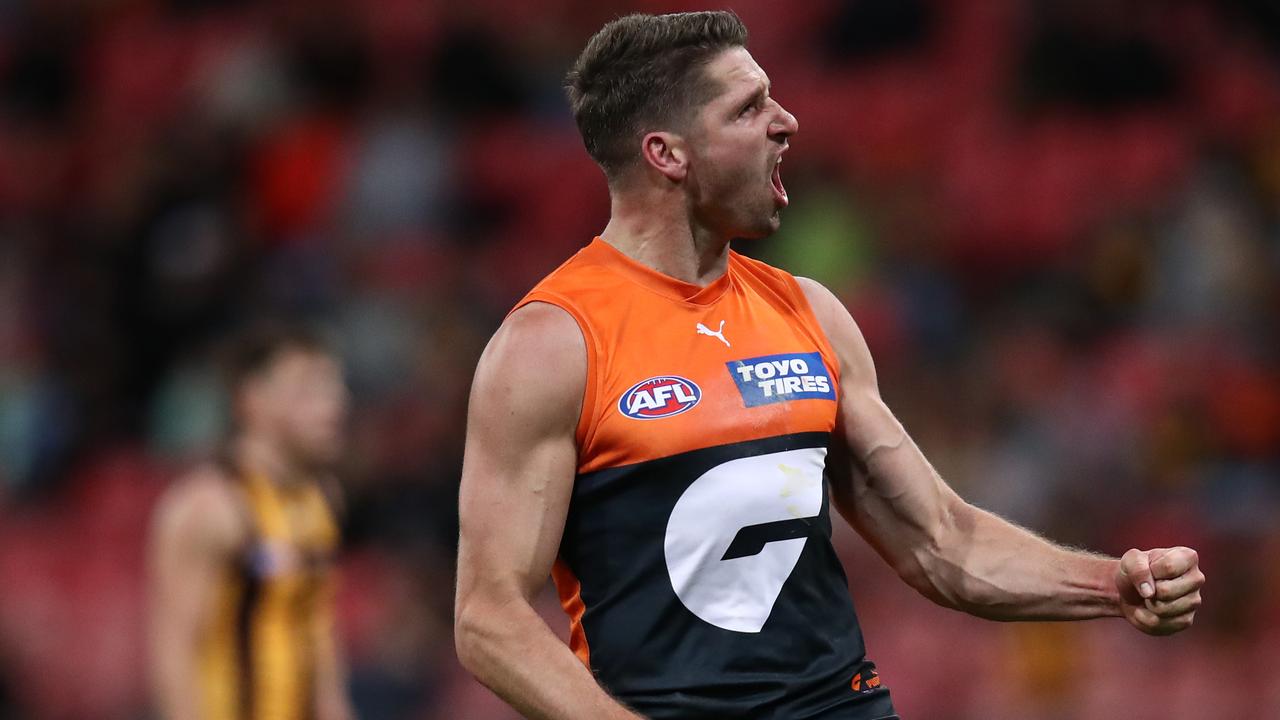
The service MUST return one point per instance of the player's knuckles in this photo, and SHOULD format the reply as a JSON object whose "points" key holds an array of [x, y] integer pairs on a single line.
{"points": [[1133, 561], [1146, 620], [1173, 589], [1177, 624], [1174, 563], [1175, 607], [1167, 567], [1155, 554], [1179, 587]]}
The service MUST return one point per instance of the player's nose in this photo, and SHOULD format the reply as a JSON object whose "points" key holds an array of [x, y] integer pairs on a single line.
{"points": [[784, 124]]}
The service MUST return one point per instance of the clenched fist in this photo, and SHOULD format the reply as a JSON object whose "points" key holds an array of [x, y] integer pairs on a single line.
{"points": [[1160, 589]]}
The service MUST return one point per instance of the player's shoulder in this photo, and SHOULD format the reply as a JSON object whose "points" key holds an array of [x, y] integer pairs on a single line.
{"points": [[794, 289], [536, 359], [825, 304], [207, 487], [537, 330], [840, 328], [203, 504]]}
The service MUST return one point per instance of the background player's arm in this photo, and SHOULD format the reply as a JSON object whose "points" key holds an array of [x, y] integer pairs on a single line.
{"points": [[517, 478], [332, 701], [197, 529], [962, 556]]}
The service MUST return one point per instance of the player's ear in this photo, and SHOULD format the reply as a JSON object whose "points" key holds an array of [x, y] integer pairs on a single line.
{"points": [[665, 152]]}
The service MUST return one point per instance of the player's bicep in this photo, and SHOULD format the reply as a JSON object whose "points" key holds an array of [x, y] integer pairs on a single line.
{"points": [[881, 482], [193, 532], [521, 455]]}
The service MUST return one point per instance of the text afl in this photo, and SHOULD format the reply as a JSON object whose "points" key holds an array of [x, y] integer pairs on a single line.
{"points": [[659, 397]]}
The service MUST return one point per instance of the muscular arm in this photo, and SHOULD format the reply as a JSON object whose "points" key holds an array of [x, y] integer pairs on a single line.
{"points": [[196, 530], [961, 556], [517, 478]]}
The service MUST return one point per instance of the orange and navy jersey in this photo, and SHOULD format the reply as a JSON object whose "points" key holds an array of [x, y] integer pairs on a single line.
{"points": [[696, 564], [257, 657]]}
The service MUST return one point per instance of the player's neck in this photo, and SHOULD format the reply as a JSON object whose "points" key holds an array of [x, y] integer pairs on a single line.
{"points": [[661, 234], [259, 454]]}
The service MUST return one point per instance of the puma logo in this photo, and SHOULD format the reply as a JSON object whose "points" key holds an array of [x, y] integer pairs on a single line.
{"points": [[704, 330]]}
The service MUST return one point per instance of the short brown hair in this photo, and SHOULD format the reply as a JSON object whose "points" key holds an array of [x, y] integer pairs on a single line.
{"points": [[640, 72], [256, 347]]}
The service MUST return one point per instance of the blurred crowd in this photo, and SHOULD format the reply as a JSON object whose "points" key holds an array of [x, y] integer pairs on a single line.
{"points": [[1056, 221]]}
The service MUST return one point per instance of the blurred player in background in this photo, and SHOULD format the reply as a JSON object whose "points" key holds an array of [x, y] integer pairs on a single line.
{"points": [[241, 549], [664, 426]]}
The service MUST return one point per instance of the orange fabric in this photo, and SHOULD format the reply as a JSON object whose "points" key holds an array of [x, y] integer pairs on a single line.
{"points": [[570, 591], [638, 324]]}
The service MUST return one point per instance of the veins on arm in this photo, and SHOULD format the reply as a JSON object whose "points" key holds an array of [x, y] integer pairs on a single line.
{"points": [[863, 463], [952, 552]]}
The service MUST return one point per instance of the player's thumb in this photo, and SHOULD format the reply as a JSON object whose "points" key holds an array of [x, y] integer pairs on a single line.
{"points": [[1135, 566]]}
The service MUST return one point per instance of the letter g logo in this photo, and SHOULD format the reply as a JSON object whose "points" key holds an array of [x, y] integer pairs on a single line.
{"points": [[737, 532]]}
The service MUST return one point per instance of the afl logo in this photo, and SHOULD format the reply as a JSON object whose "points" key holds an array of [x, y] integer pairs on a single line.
{"points": [[659, 397]]}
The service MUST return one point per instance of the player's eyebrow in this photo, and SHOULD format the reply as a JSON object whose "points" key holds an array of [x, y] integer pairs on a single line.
{"points": [[759, 92]]}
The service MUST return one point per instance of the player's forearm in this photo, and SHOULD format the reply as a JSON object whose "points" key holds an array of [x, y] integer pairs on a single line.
{"points": [[966, 558], [994, 569], [513, 652], [332, 700], [331, 697], [174, 680]]}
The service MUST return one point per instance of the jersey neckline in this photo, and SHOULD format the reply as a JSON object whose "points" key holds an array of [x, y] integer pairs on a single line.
{"points": [[664, 285]]}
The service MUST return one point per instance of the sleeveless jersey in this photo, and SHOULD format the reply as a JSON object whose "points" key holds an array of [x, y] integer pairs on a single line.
{"points": [[256, 659], [696, 564]]}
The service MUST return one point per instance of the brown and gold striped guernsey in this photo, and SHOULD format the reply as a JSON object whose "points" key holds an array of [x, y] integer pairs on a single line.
{"points": [[274, 604]]}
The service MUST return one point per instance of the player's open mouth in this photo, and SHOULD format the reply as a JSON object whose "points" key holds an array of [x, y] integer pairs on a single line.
{"points": [[779, 192]]}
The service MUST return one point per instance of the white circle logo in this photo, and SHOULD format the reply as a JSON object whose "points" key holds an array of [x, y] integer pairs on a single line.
{"points": [[659, 397], [737, 532]]}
